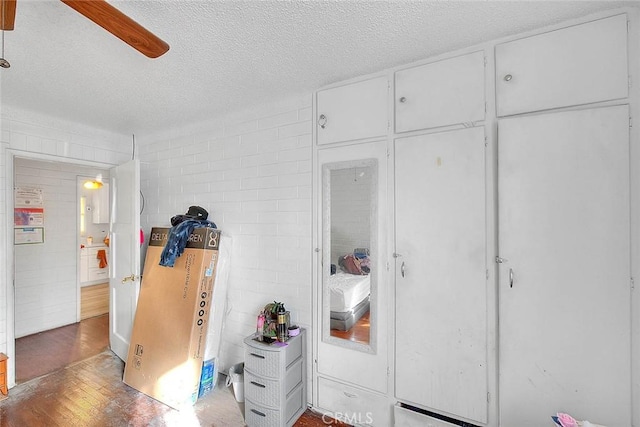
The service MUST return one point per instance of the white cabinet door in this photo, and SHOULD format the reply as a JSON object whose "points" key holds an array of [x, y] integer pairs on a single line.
{"points": [[84, 266], [565, 287], [441, 93], [361, 364], [441, 285], [571, 66], [354, 111]]}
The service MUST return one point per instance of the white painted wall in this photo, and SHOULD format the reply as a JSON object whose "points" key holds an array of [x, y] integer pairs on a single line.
{"points": [[252, 172], [35, 135], [46, 274]]}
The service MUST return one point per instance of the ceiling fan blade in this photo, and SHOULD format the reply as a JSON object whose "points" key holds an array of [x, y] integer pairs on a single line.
{"points": [[7, 14], [120, 25]]}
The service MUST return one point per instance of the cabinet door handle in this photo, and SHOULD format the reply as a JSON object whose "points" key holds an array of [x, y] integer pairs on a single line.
{"points": [[259, 356], [262, 414], [402, 269], [403, 99], [511, 277], [322, 121], [350, 395], [258, 384], [508, 78]]}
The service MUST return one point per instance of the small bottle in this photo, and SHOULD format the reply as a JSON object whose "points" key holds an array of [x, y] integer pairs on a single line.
{"points": [[282, 324], [260, 326]]}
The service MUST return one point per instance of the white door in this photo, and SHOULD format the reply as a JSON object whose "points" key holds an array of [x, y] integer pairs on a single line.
{"points": [[571, 66], [354, 111], [441, 93], [441, 284], [564, 230], [364, 365], [124, 277]]}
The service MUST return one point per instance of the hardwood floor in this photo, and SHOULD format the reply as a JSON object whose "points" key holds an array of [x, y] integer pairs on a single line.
{"points": [[91, 393], [45, 352], [94, 300], [86, 390], [359, 332]]}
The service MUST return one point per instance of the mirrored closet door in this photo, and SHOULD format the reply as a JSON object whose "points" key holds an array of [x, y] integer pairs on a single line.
{"points": [[352, 291]]}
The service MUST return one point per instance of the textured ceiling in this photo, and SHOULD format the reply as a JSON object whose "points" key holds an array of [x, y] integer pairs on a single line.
{"points": [[227, 55]]}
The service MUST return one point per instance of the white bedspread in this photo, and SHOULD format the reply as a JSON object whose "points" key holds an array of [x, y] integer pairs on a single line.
{"points": [[347, 290]]}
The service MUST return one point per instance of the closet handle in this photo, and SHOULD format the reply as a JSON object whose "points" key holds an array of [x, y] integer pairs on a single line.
{"points": [[322, 121], [258, 384], [259, 356], [511, 277], [402, 269]]}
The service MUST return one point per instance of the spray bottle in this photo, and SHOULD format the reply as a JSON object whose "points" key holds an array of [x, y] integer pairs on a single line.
{"points": [[260, 326]]}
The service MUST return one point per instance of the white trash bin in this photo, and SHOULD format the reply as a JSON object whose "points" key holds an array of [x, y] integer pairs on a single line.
{"points": [[236, 377]]}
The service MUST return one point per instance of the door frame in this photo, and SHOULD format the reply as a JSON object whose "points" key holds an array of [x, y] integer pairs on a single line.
{"points": [[11, 155]]}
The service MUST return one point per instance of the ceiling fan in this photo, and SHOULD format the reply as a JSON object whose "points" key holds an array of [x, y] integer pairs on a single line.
{"points": [[105, 15]]}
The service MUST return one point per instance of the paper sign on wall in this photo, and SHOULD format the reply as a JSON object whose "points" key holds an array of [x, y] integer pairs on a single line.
{"points": [[28, 216], [28, 197], [28, 235]]}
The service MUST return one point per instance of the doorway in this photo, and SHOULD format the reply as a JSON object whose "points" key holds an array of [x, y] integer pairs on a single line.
{"points": [[44, 271], [93, 241]]}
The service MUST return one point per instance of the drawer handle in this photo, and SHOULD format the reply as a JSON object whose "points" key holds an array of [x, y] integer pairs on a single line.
{"points": [[258, 384], [259, 356], [258, 413], [350, 395]]}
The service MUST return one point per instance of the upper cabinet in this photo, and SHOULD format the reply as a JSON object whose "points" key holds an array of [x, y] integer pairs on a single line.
{"points": [[440, 93], [101, 205], [571, 66], [354, 111]]}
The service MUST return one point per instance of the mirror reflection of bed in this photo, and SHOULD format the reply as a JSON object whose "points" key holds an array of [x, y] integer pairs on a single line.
{"points": [[349, 281], [350, 305]]}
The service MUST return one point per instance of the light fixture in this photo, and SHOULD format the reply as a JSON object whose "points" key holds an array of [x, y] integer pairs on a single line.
{"points": [[94, 184]]}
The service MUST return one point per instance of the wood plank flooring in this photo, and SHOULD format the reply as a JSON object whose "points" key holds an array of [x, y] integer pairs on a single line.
{"points": [[359, 332], [45, 352], [94, 300], [89, 392]]}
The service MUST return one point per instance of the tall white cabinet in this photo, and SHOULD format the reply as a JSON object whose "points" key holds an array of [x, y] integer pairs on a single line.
{"points": [[565, 234], [441, 280], [358, 394], [506, 255]]}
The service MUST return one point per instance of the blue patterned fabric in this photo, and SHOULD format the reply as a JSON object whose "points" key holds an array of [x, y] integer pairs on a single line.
{"points": [[178, 237]]}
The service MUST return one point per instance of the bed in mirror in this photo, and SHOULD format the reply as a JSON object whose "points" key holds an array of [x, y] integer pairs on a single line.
{"points": [[349, 222]]}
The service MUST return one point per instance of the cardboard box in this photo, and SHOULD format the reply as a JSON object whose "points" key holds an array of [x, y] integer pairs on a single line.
{"points": [[170, 325]]}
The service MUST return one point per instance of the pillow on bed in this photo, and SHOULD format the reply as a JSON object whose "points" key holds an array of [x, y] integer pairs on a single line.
{"points": [[351, 264]]}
